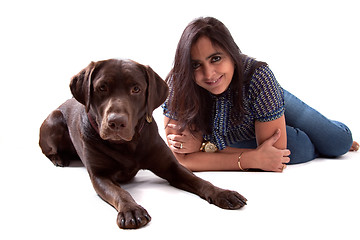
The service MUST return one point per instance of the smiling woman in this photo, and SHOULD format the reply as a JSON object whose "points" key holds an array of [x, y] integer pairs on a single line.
{"points": [[223, 100]]}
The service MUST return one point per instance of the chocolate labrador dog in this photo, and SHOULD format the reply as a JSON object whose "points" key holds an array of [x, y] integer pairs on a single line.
{"points": [[108, 126]]}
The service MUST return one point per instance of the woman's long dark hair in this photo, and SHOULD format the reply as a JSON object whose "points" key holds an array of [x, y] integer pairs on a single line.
{"points": [[191, 103]]}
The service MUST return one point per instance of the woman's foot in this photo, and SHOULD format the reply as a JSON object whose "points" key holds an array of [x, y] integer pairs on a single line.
{"points": [[355, 146]]}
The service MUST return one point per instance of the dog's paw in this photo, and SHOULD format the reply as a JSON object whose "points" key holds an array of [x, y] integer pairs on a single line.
{"points": [[133, 217], [227, 199]]}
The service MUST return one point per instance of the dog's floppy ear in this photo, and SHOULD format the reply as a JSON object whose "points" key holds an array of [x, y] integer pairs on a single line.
{"points": [[80, 85], [157, 92]]}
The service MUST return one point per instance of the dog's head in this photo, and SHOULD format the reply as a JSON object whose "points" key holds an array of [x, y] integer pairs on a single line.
{"points": [[118, 93]]}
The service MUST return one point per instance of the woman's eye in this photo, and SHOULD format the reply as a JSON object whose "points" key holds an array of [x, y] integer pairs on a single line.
{"points": [[216, 59], [135, 89], [195, 65]]}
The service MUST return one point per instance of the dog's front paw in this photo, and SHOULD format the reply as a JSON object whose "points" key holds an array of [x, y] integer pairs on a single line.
{"points": [[132, 217], [227, 199]]}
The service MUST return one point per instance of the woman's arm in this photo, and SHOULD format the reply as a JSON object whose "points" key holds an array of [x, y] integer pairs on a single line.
{"points": [[269, 157], [264, 130], [186, 148]]}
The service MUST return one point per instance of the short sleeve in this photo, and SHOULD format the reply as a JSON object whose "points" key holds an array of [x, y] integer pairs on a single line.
{"points": [[266, 95]]}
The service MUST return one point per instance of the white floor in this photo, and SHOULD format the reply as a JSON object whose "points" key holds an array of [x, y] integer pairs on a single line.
{"points": [[313, 50], [317, 200]]}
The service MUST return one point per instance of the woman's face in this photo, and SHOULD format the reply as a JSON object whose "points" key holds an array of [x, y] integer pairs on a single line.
{"points": [[213, 67]]}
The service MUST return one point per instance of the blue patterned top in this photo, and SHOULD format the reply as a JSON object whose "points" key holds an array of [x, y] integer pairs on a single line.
{"points": [[263, 101]]}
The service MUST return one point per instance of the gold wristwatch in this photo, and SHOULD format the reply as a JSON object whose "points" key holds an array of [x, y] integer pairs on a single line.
{"points": [[208, 147]]}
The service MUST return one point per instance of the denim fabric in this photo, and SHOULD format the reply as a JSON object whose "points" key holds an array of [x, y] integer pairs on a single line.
{"points": [[309, 133]]}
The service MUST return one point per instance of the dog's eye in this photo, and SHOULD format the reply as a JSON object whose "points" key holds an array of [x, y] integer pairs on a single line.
{"points": [[135, 89], [102, 88]]}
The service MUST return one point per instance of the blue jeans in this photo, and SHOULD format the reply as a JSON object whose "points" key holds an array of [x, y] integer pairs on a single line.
{"points": [[309, 133]]}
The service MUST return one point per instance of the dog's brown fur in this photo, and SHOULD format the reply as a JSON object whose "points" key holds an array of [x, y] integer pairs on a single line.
{"points": [[108, 126]]}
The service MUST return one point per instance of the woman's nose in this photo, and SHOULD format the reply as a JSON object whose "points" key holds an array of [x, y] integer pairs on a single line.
{"points": [[208, 71]]}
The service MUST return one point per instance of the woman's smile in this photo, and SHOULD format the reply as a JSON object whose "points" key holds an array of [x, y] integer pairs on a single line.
{"points": [[214, 82]]}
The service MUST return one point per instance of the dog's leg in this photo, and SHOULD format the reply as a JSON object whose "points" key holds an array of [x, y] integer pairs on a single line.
{"points": [[130, 214], [169, 168], [55, 141], [184, 179]]}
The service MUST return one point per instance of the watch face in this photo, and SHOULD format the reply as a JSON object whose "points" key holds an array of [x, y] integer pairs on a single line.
{"points": [[210, 147]]}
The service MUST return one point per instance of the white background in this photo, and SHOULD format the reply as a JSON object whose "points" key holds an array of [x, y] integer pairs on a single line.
{"points": [[311, 46]]}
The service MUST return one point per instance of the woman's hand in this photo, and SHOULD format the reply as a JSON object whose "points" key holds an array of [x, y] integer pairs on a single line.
{"points": [[183, 142], [270, 158]]}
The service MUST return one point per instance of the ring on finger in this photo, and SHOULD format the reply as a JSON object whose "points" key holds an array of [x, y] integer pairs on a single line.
{"points": [[181, 145]]}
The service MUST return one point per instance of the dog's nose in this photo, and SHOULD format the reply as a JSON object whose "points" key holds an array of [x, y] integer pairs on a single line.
{"points": [[117, 121]]}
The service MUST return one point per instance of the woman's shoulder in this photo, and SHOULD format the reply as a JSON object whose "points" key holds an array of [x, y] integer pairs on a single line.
{"points": [[263, 77], [250, 65], [265, 96], [263, 84]]}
